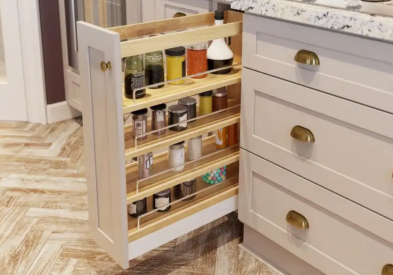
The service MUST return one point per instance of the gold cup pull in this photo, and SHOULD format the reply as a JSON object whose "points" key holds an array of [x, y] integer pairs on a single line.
{"points": [[302, 134], [297, 220], [387, 270], [307, 57], [105, 66]]}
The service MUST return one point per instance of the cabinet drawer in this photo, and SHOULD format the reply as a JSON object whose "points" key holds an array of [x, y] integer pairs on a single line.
{"points": [[334, 243], [350, 67], [353, 148]]}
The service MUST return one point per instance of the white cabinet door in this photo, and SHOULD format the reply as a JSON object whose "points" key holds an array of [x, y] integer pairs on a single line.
{"points": [[168, 8]]}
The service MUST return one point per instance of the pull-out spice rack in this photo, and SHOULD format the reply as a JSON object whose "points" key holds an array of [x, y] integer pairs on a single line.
{"points": [[113, 179]]}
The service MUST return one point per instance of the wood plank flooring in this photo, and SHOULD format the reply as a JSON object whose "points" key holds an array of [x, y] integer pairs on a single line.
{"points": [[43, 216]]}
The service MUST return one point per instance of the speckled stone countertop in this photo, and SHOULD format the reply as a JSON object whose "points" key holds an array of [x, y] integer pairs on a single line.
{"points": [[374, 26]]}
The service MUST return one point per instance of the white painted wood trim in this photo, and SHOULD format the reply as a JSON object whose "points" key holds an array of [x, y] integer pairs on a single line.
{"points": [[173, 231], [148, 10], [61, 111], [33, 67], [134, 11]]}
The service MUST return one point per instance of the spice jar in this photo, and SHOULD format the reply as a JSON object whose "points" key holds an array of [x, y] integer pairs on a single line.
{"points": [[137, 208], [134, 77], [176, 156], [161, 199], [205, 103], [177, 114], [194, 148], [139, 124], [216, 176], [185, 189], [175, 64], [145, 165], [220, 102], [158, 119], [154, 69], [197, 60], [191, 105]]}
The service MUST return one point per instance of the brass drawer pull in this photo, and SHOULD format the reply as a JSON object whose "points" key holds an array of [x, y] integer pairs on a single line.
{"points": [[297, 220], [105, 66], [302, 134], [307, 57], [387, 270]]}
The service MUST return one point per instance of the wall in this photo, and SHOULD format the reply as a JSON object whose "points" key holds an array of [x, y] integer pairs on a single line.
{"points": [[52, 53]]}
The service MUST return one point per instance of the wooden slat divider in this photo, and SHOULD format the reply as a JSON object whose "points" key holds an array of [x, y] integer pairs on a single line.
{"points": [[188, 37]]}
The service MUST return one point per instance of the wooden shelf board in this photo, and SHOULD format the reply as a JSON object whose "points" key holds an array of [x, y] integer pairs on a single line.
{"points": [[191, 171], [196, 128], [183, 209], [174, 92]]}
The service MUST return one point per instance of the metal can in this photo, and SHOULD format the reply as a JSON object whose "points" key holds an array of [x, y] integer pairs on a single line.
{"points": [[137, 208], [177, 114], [191, 105], [145, 165], [158, 120], [194, 148], [177, 156], [161, 199], [185, 189], [139, 124]]}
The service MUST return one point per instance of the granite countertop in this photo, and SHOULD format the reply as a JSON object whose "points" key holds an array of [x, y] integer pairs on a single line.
{"points": [[373, 26]]}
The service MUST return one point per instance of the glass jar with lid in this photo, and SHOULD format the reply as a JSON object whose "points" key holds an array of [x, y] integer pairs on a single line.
{"points": [[176, 64], [197, 60], [134, 77], [154, 69]]}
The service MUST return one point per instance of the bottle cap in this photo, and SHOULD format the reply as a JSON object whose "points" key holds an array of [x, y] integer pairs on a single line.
{"points": [[208, 93], [178, 51], [140, 112], [219, 15], [187, 101], [177, 109], [199, 46], [159, 107]]}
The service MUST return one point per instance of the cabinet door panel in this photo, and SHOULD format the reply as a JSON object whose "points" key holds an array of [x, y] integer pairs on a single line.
{"points": [[168, 8]]}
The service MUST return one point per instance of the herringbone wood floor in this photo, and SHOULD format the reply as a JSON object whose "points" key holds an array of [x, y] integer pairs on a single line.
{"points": [[43, 215]]}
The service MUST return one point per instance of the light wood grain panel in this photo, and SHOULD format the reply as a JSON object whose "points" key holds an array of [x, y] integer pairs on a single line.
{"points": [[156, 43], [45, 260]]}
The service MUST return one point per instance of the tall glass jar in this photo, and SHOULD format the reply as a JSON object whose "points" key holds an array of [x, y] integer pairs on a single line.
{"points": [[155, 69], [134, 76]]}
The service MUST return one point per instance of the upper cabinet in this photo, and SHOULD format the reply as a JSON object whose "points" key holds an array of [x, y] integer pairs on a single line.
{"points": [[168, 8]]}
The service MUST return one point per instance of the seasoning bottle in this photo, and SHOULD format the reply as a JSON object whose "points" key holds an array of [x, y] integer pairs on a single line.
{"points": [[194, 148], [205, 103], [220, 102], [219, 54], [145, 165], [137, 208], [134, 76], [161, 199], [139, 124], [185, 189], [177, 114], [197, 59], [233, 135], [158, 118], [175, 64], [191, 105], [154, 69], [176, 156]]}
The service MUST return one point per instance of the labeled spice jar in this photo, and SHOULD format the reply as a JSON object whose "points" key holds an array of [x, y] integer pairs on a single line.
{"points": [[158, 118], [161, 199], [220, 102], [177, 115], [197, 60], [139, 124], [154, 71], [176, 156], [145, 165], [176, 64], [134, 79], [191, 105], [137, 208], [215, 176], [185, 189], [205, 103], [194, 148]]}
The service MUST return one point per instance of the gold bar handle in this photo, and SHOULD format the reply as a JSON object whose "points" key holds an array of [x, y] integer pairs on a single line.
{"points": [[307, 57], [387, 270], [302, 134], [297, 220]]}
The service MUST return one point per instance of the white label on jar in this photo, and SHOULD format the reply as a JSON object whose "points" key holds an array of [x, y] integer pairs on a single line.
{"points": [[160, 116], [160, 202], [181, 119], [132, 208], [151, 160], [177, 159], [147, 163], [139, 127], [219, 137]]}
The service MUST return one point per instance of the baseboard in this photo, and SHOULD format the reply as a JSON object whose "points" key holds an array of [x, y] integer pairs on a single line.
{"points": [[60, 111]]}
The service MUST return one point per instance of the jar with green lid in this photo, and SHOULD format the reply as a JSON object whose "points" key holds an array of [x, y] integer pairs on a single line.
{"points": [[134, 77], [205, 103], [175, 64]]}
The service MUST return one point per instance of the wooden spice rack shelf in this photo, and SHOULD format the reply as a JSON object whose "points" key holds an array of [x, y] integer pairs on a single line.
{"points": [[109, 144]]}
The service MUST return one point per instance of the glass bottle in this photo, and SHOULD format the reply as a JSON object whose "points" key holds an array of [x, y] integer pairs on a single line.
{"points": [[134, 76], [154, 69]]}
